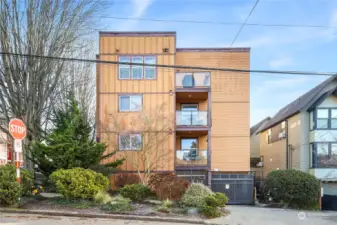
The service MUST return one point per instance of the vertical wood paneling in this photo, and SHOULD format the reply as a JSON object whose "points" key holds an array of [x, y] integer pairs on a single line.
{"points": [[157, 93], [230, 107]]}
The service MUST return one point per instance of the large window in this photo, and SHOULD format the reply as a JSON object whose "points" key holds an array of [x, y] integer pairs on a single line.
{"points": [[325, 118], [130, 103], [324, 155], [137, 72], [130, 142]]}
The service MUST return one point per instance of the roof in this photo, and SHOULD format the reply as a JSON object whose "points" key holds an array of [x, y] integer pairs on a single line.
{"points": [[243, 49], [304, 102], [255, 128], [137, 33]]}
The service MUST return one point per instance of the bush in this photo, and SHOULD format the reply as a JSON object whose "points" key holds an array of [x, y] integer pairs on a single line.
{"points": [[10, 190], [213, 204], [165, 206], [124, 179], [195, 195], [27, 181], [135, 192], [209, 211], [294, 188], [118, 204], [102, 197], [216, 200], [168, 186], [79, 183]]}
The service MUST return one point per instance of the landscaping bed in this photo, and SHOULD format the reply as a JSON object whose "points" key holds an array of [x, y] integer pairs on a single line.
{"points": [[90, 207]]}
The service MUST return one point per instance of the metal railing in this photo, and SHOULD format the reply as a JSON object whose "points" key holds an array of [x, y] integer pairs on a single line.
{"points": [[193, 80], [191, 157], [191, 118]]}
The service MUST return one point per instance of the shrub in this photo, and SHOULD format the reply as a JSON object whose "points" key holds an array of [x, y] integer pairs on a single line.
{"points": [[124, 179], [135, 192], [102, 197], [27, 181], [165, 206], [216, 200], [118, 204], [168, 186], [10, 190], [79, 183], [209, 211], [293, 187], [195, 195]]}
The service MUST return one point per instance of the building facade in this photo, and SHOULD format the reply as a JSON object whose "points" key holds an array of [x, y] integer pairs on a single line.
{"points": [[303, 136], [186, 119]]}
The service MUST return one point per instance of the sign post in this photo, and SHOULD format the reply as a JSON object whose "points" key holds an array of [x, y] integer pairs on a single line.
{"points": [[18, 131]]}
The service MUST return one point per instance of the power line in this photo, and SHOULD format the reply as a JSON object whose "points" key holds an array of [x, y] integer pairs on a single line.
{"points": [[220, 22], [173, 66], [247, 18]]}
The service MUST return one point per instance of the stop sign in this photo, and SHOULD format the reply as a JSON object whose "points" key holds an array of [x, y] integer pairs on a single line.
{"points": [[17, 129]]}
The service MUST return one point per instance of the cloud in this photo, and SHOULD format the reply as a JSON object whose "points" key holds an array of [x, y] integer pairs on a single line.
{"points": [[281, 62], [140, 6]]}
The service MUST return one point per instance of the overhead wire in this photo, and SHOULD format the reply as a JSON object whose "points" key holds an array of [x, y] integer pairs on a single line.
{"points": [[311, 73]]}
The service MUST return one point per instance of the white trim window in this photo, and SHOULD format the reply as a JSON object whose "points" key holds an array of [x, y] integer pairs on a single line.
{"points": [[130, 103], [150, 71], [124, 69], [137, 72], [130, 142]]}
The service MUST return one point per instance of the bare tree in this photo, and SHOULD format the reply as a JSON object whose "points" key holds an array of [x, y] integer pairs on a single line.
{"points": [[30, 86], [151, 150]]}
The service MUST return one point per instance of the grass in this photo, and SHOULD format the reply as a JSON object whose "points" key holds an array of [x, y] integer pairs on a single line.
{"points": [[74, 203]]}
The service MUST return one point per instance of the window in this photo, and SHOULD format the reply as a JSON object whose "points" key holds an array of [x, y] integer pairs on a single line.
{"points": [[334, 118], [269, 136], [324, 155], [130, 103], [150, 71], [124, 70], [130, 142], [322, 118], [137, 72]]}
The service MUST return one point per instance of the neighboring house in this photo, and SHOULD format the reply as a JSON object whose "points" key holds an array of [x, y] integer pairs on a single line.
{"points": [[303, 136], [210, 109], [255, 138], [3, 148]]}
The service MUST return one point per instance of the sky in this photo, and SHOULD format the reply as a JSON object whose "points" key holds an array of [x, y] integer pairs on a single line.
{"points": [[272, 48]]}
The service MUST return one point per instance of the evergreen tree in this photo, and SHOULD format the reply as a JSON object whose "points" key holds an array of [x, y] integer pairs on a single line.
{"points": [[69, 144]]}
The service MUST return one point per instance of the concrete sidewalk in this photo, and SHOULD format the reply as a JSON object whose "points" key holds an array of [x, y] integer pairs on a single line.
{"points": [[251, 215]]}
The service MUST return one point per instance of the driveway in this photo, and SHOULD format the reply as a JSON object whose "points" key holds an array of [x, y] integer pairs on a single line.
{"points": [[250, 215]]}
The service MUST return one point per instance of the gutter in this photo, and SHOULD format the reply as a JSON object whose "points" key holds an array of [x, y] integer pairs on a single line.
{"points": [[287, 144]]}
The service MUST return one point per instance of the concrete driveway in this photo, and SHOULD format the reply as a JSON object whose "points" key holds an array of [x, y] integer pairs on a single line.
{"points": [[250, 215]]}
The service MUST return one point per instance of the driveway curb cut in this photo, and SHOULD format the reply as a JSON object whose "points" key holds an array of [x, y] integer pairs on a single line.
{"points": [[104, 216]]}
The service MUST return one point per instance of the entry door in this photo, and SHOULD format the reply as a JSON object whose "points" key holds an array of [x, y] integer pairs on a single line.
{"points": [[189, 113], [189, 146]]}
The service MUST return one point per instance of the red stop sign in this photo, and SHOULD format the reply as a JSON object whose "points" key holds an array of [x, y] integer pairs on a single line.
{"points": [[17, 129]]}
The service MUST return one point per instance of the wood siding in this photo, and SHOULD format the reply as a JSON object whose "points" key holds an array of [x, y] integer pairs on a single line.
{"points": [[229, 107], [155, 94]]}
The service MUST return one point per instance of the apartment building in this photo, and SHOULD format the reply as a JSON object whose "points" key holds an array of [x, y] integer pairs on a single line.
{"points": [[303, 136], [208, 110]]}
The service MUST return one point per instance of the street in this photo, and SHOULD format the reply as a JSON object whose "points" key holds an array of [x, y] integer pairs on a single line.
{"points": [[239, 215]]}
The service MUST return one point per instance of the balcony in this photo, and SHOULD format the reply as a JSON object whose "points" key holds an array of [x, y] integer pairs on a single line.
{"points": [[185, 157], [193, 80], [191, 118]]}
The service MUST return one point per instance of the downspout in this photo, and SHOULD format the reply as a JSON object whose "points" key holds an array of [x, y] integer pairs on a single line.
{"points": [[287, 145]]}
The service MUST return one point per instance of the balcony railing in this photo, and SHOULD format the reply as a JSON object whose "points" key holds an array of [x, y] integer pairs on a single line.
{"points": [[191, 118], [193, 80], [191, 157]]}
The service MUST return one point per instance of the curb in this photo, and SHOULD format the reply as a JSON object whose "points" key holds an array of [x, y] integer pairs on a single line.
{"points": [[104, 216]]}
